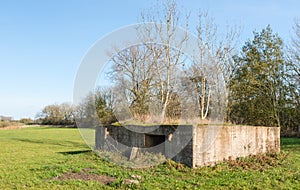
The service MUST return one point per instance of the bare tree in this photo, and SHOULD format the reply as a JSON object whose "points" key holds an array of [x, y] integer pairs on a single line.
{"points": [[57, 114], [294, 51], [133, 74], [150, 74], [166, 21], [294, 78], [296, 44], [211, 69]]}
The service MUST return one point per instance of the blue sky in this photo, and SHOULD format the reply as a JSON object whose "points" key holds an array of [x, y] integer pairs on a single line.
{"points": [[43, 42]]}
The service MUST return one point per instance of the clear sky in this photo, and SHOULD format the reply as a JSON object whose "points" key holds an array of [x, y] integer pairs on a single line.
{"points": [[43, 42]]}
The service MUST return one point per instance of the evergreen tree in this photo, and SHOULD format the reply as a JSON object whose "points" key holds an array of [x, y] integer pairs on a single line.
{"points": [[258, 84]]}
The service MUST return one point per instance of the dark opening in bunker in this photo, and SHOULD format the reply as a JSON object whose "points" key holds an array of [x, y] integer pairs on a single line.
{"points": [[154, 140]]}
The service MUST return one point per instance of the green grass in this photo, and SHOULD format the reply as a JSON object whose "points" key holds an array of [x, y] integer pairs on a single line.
{"points": [[31, 158]]}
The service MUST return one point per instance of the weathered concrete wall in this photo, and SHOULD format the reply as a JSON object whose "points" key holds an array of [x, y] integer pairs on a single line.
{"points": [[176, 143], [212, 144], [193, 146]]}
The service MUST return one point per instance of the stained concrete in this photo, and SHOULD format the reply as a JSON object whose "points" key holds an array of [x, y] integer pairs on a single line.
{"points": [[194, 146], [230, 142]]}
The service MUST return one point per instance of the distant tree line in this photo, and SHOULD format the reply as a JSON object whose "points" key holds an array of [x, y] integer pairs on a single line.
{"points": [[57, 114], [94, 108]]}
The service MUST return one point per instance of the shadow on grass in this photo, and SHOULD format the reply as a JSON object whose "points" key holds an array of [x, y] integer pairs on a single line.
{"points": [[75, 152], [52, 142]]}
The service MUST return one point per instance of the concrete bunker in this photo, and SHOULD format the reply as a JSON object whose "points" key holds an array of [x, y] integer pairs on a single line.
{"points": [[197, 145]]}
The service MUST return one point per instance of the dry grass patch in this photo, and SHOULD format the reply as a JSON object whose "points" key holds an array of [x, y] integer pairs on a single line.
{"points": [[85, 175]]}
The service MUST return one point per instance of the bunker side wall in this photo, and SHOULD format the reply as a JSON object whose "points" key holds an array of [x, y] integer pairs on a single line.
{"points": [[212, 144]]}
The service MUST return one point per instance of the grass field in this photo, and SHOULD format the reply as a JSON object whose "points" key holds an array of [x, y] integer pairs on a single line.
{"points": [[47, 158]]}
